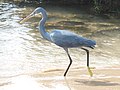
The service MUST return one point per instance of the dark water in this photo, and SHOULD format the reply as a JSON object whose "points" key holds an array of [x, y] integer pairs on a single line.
{"points": [[23, 50]]}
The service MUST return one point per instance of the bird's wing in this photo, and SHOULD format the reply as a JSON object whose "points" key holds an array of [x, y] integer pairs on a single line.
{"points": [[67, 39]]}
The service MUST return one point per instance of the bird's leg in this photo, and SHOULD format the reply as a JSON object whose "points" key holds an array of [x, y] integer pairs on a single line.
{"points": [[89, 70], [69, 63]]}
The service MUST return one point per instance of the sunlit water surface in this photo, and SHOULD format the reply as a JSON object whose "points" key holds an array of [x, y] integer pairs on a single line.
{"points": [[23, 50]]}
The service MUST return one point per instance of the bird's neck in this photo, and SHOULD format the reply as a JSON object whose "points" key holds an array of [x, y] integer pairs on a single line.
{"points": [[42, 26]]}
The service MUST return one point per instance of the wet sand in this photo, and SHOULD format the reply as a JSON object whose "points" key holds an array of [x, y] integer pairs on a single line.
{"points": [[77, 79]]}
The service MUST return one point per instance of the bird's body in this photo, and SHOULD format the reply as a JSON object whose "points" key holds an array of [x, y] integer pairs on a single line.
{"points": [[67, 39], [63, 38]]}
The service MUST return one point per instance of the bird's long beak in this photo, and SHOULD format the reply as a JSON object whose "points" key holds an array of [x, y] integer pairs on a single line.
{"points": [[28, 17]]}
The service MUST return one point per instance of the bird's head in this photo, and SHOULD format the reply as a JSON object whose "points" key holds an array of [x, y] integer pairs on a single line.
{"points": [[37, 11]]}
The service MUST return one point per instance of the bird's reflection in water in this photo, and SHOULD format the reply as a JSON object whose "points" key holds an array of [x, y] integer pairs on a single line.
{"points": [[67, 83]]}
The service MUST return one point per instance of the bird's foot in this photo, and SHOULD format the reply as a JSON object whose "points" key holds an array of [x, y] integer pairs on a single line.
{"points": [[90, 72]]}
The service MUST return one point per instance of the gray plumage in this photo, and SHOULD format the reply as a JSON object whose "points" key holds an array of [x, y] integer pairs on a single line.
{"points": [[63, 38], [67, 39]]}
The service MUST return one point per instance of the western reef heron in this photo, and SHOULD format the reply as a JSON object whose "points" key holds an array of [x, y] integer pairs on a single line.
{"points": [[62, 38]]}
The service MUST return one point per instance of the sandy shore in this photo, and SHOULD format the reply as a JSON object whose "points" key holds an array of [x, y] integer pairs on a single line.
{"points": [[77, 79]]}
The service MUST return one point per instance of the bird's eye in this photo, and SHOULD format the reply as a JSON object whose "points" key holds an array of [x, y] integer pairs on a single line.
{"points": [[35, 13]]}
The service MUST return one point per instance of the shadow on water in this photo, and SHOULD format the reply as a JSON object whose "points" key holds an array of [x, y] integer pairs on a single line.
{"points": [[97, 83], [3, 84]]}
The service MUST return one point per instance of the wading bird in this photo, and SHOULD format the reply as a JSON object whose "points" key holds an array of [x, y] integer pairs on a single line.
{"points": [[62, 38]]}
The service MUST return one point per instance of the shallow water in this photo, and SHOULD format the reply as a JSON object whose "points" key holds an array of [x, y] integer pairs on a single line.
{"points": [[23, 50]]}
